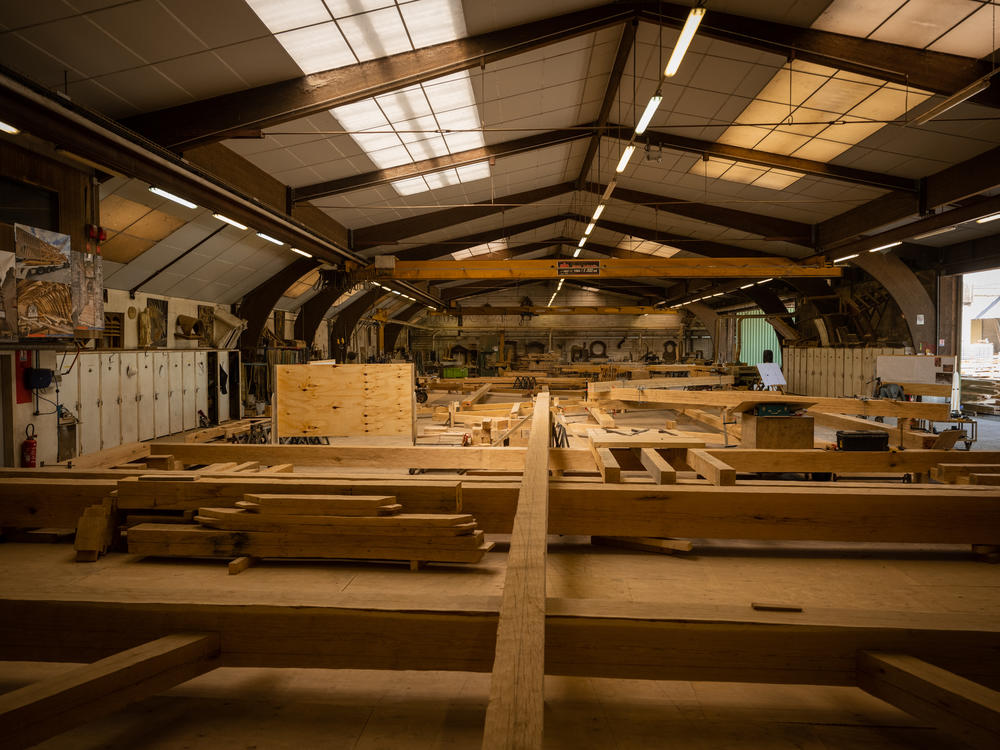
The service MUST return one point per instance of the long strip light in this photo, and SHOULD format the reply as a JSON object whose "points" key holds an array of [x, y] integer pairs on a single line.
{"points": [[589, 229], [885, 247], [600, 210], [647, 114], [582, 241], [162, 193], [269, 238], [976, 87], [846, 258], [626, 155], [684, 41], [8, 128], [300, 252], [226, 219], [576, 253], [987, 219]]}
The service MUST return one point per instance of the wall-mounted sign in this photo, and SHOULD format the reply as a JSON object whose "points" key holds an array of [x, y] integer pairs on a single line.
{"points": [[578, 268]]}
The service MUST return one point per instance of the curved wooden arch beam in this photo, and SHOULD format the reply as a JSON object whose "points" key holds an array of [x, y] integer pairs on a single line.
{"points": [[392, 330], [770, 304], [906, 290], [343, 324], [311, 313], [256, 306], [708, 318]]}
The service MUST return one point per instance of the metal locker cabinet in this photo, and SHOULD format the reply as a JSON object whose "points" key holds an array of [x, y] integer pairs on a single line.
{"points": [[145, 397], [111, 399], [200, 384], [161, 393], [69, 397], [176, 392], [130, 397], [88, 431], [190, 411]]}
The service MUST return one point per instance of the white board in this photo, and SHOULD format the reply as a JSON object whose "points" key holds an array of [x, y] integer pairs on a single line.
{"points": [[770, 374]]}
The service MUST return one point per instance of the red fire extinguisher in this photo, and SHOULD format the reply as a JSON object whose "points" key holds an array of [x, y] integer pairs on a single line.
{"points": [[29, 448]]}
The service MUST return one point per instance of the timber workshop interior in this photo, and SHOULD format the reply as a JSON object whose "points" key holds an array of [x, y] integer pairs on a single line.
{"points": [[474, 374]]}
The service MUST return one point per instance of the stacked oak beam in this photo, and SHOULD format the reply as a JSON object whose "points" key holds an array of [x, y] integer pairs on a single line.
{"points": [[357, 527]]}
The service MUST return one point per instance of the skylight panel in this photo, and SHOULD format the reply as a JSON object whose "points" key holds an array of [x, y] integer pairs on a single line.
{"points": [[776, 179], [316, 48], [919, 22], [322, 36], [971, 38], [341, 8], [472, 172], [433, 21], [488, 247], [437, 180], [377, 34], [856, 17], [282, 15], [839, 95]]}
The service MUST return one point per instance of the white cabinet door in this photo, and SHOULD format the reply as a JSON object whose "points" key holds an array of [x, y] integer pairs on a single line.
{"points": [[111, 410], [130, 397], [190, 410], [200, 384], [223, 398], [146, 396], [69, 395], [176, 393], [161, 394], [89, 412]]}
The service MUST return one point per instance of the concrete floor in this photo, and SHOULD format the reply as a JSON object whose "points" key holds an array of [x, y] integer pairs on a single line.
{"points": [[259, 708]]}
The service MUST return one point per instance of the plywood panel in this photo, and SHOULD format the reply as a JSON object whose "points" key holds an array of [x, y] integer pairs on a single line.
{"points": [[346, 400]]}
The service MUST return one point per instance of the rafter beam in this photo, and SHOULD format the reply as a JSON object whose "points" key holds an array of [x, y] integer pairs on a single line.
{"points": [[625, 45], [444, 247], [933, 71], [217, 117], [608, 268], [768, 159], [393, 231], [439, 163], [568, 310], [769, 227]]}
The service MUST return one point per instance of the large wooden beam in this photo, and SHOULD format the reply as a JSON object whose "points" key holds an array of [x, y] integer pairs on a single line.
{"points": [[608, 268], [574, 310], [939, 72], [954, 704], [625, 46], [584, 638], [215, 118], [44, 709], [769, 227], [256, 306], [439, 163], [393, 231], [767, 159], [514, 713]]}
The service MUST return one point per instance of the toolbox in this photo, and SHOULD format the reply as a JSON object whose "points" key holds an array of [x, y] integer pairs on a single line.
{"points": [[862, 440]]}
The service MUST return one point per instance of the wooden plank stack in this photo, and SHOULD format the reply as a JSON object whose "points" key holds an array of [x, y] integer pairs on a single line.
{"points": [[981, 395], [356, 527]]}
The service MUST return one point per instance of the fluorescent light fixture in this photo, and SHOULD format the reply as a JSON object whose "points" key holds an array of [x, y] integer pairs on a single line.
{"points": [[430, 308], [884, 247], [576, 253], [582, 240], [647, 114], [608, 191], [746, 286], [986, 219], [396, 292], [589, 229], [269, 238], [936, 232], [162, 193], [976, 87], [846, 257], [684, 40], [718, 294], [600, 210], [626, 155], [226, 219], [303, 253], [560, 284], [764, 281], [8, 128]]}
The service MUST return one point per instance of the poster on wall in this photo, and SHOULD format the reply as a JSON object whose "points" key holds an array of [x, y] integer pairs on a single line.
{"points": [[8, 298], [44, 281], [153, 324], [88, 292]]}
